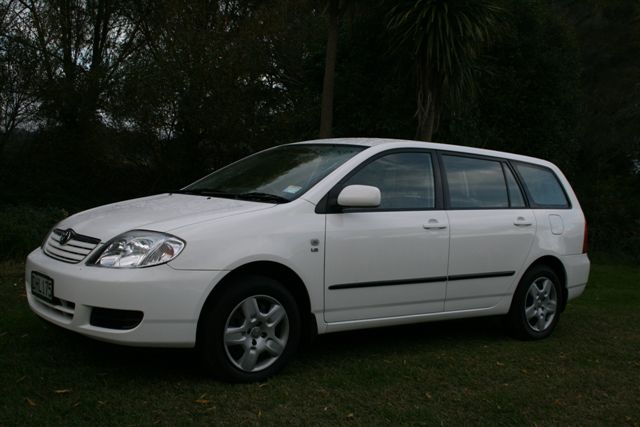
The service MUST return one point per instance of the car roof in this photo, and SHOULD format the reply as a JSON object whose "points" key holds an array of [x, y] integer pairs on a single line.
{"points": [[405, 143]]}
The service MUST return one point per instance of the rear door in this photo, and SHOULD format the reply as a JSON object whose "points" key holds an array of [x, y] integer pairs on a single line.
{"points": [[391, 260], [492, 230]]}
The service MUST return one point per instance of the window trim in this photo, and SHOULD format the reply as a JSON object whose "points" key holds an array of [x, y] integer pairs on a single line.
{"points": [[506, 185], [329, 203], [532, 203], [445, 183], [506, 164]]}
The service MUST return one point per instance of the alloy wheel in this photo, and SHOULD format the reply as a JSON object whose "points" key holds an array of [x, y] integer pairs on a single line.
{"points": [[541, 304], [256, 333]]}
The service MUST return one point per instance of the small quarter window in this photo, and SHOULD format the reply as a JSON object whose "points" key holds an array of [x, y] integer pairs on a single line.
{"points": [[543, 186], [405, 180], [515, 195], [475, 183]]}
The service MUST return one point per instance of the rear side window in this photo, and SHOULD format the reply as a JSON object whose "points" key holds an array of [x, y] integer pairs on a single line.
{"points": [[475, 183], [405, 180], [543, 186]]}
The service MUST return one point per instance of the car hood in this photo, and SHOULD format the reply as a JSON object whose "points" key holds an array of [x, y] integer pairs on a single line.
{"points": [[162, 212]]}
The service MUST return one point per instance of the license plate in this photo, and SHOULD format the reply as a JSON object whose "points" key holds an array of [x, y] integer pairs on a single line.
{"points": [[42, 286]]}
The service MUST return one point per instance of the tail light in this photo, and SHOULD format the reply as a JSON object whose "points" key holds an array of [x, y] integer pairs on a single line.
{"points": [[585, 240]]}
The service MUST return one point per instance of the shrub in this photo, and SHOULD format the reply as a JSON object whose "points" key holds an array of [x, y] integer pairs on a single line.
{"points": [[23, 228]]}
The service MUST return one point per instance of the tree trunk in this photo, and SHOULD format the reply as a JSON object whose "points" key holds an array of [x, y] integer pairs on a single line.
{"points": [[326, 114], [426, 104], [425, 127]]}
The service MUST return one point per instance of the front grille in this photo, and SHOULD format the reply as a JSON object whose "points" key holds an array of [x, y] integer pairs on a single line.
{"points": [[68, 246]]}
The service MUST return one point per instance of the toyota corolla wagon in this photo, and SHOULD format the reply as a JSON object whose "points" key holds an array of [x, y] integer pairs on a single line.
{"points": [[316, 237]]}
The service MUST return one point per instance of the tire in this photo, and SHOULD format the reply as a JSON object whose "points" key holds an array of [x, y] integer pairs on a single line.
{"points": [[535, 308], [250, 332]]}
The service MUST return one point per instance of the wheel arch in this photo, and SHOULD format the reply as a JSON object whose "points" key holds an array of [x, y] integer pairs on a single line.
{"points": [[556, 265], [280, 272]]}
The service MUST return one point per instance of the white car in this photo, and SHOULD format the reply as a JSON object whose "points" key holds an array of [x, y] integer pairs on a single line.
{"points": [[316, 237]]}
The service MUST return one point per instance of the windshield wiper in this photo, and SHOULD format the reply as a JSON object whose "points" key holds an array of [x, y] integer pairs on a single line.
{"points": [[205, 192], [253, 196], [262, 197]]}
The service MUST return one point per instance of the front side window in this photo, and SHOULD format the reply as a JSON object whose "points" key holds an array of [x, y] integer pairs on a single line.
{"points": [[281, 174], [475, 183], [405, 180], [543, 186]]}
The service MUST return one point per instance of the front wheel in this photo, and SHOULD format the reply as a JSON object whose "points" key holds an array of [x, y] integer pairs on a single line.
{"points": [[251, 331], [535, 309]]}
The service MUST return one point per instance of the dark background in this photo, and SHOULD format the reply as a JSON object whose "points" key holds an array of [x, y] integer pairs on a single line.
{"points": [[105, 100]]}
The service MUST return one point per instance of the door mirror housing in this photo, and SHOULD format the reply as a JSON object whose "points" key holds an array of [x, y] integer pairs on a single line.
{"points": [[359, 196]]}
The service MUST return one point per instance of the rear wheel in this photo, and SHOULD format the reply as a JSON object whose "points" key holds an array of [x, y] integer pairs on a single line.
{"points": [[251, 331], [535, 309]]}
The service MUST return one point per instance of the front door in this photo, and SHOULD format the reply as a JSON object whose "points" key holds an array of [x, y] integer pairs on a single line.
{"points": [[391, 260]]}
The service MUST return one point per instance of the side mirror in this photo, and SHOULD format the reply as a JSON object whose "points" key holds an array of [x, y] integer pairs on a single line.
{"points": [[359, 196]]}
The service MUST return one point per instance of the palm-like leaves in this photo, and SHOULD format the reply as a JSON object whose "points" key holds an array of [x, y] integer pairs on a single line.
{"points": [[446, 37]]}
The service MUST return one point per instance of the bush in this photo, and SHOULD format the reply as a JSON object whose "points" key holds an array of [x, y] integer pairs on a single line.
{"points": [[23, 228]]}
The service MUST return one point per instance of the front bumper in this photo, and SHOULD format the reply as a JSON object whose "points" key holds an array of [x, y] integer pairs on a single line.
{"points": [[170, 300]]}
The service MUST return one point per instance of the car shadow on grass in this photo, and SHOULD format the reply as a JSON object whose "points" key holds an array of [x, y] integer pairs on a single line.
{"points": [[482, 328], [393, 339], [141, 362]]}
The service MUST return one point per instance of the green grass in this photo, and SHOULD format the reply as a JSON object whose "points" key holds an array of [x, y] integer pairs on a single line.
{"points": [[453, 373]]}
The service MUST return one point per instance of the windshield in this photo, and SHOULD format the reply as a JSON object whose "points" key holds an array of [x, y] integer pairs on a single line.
{"points": [[278, 175]]}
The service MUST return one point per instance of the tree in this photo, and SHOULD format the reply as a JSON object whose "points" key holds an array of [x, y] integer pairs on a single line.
{"points": [[17, 103], [78, 48], [608, 178], [374, 95], [530, 101], [328, 87], [447, 37], [208, 82]]}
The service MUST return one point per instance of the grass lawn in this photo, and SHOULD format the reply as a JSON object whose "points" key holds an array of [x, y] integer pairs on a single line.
{"points": [[461, 372]]}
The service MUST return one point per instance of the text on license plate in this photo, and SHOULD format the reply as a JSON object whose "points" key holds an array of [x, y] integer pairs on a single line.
{"points": [[42, 286]]}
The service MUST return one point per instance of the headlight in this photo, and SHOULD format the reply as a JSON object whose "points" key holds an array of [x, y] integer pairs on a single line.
{"points": [[139, 248]]}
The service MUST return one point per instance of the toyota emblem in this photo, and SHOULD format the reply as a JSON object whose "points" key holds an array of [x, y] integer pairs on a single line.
{"points": [[66, 236]]}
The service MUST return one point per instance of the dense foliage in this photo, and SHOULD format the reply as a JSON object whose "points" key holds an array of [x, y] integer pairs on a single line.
{"points": [[108, 99]]}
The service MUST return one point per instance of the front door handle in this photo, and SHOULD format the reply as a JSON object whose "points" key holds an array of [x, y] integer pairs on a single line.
{"points": [[522, 222], [433, 224]]}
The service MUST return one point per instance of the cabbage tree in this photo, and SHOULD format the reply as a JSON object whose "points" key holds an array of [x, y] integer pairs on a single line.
{"points": [[447, 38]]}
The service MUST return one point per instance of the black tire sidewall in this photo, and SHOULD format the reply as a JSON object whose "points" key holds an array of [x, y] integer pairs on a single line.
{"points": [[517, 320], [211, 343]]}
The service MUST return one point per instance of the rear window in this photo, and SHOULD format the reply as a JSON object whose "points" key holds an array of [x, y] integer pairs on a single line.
{"points": [[543, 186]]}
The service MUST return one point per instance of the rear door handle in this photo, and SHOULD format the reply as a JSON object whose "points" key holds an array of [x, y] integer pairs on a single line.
{"points": [[433, 224], [522, 222]]}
